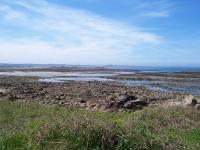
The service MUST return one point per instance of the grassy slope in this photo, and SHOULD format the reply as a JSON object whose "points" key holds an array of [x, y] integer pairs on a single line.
{"points": [[33, 126]]}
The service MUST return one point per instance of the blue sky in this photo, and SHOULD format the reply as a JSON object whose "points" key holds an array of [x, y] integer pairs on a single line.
{"points": [[100, 32]]}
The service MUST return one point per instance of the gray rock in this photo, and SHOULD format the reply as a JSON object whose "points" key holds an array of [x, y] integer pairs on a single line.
{"points": [[13, 97], [3, 92], [198, 100], [123, 99], [198, 107], [126, 102], [190, 101], [81, 100], [134, 104]]}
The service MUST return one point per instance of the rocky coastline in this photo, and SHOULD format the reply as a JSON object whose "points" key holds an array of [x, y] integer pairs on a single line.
{"points": [[92, 95]]}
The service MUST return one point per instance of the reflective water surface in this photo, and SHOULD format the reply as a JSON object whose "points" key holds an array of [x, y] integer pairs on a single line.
{"points": [[163, 84]]}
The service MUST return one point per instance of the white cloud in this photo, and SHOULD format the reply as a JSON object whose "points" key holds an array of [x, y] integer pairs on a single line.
{"points": [[74, 36]]}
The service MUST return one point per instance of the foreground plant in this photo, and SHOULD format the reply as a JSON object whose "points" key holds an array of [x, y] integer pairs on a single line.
{"points": [[33, 126]]}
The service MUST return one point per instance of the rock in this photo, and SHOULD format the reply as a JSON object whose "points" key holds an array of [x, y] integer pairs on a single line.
{"points": [[91, 104], [198, 107], [61, 102], [82, 105], [112, 98], [3, 92], [190, 101], [122, 100], [111, 105], [81, 100], [43, 93], [194, 102], [13, 97], [58, 97], [133, 104], [120, 110], [198, 100]]}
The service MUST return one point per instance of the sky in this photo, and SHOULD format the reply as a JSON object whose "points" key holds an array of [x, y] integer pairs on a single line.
{"points": [[100, 32]]}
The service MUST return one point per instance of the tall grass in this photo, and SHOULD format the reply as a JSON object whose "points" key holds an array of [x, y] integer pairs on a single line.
{"points": [[34, 126]]}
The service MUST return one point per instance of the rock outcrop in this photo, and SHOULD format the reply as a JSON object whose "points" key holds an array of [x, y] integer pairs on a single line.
{"points": [[88, 95], [192, 101], [126, 102]]}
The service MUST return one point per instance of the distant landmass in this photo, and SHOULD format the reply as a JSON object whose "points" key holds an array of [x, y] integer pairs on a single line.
{"points": [[131, 68]]}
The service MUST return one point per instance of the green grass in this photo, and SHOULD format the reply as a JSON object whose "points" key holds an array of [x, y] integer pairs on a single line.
{"points": [[34, 126]]}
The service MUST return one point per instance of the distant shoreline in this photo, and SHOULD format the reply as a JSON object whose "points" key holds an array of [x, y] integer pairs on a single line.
{"points": [[63, 67]]}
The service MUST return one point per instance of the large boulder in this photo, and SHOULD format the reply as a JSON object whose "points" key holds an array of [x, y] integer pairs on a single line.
{"points": [[119, 102], [198, 107], [134, 104], [190, 100], [126, 102], [123, 99], [198, 100]]}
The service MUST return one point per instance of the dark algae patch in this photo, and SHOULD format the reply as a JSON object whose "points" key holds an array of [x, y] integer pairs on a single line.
{"points": [[34, 126]]}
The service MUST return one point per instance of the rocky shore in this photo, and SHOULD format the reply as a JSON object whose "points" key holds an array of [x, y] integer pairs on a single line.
{"points": [[92, 95]]}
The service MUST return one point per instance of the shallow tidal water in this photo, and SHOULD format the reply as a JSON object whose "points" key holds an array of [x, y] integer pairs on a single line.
{"points": [[191, 86]]}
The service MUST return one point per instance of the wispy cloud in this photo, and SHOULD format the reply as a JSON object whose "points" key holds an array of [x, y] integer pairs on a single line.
{"points": [[10, 14], [156, 14], [155, 8], [69, 34]]}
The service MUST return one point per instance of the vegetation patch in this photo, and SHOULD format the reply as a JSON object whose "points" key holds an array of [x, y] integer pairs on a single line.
{"points": [[34, 126]]}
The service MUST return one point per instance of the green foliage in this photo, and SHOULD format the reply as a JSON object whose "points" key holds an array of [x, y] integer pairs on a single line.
{"points": [[34, 126]]}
